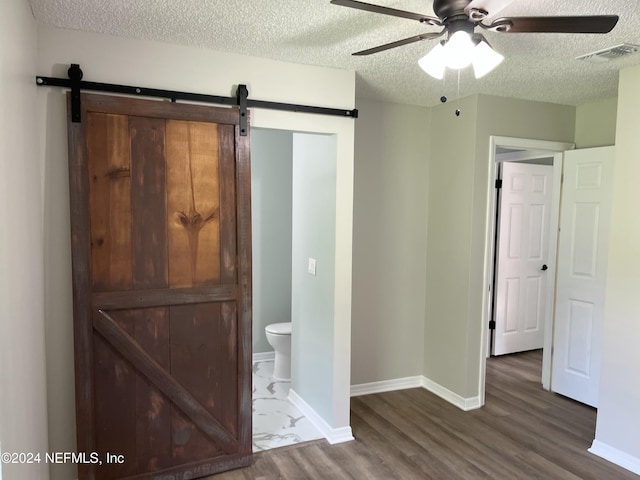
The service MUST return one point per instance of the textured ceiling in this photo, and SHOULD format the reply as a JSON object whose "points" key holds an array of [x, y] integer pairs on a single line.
{"points": [[536, 67]]}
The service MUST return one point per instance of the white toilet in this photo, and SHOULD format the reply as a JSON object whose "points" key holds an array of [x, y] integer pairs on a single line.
{"points": [[279, 337]]}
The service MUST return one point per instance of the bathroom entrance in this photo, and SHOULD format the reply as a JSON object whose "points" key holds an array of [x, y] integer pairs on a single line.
{"points": [[294, 217]]}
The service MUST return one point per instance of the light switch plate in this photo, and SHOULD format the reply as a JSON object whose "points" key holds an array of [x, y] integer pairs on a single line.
{"points": [[312, 266]]}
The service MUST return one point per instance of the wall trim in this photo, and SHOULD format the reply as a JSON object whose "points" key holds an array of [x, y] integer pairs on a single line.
{"points": [[418, 381], [386, 385], [465, 404], [616, 456], [333, 435], [264, 356]]}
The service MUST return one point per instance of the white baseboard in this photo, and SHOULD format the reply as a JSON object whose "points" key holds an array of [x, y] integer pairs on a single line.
{"points": [[462, 403], [262, 357], [333, 435], [466, 404], [386, 385], [616, 456]]}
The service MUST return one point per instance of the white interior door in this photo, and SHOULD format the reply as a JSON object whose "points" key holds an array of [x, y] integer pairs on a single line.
{"points": [[585, 215], [522, 250]]}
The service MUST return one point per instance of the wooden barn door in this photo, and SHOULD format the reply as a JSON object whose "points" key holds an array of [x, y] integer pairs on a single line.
{"points": [[161, 238]]}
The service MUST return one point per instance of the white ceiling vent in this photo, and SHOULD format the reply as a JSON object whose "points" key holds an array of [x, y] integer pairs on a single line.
{"points": [[611, 53]]}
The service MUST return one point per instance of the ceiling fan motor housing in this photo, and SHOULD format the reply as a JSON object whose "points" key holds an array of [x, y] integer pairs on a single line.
{"points": [[445, 9], [452, 14], [459, 23]]}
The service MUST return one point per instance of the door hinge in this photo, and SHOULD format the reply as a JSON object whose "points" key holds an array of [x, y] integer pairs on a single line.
{"points": [[498, 183], [492, 324]]}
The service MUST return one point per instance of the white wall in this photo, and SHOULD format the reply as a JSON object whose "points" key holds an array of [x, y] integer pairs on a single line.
{"points": [[23, 418], [618, 422], [271, 183], [119, 60], [390, 233], [313, 231]]}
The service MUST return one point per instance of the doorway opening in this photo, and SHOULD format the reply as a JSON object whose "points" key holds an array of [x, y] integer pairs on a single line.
{"points": [[293, 207], [519, 150], [524, 188]]}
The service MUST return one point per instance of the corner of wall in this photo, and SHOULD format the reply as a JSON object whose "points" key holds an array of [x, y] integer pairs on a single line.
{"points": [[389, 240], [596, 123], [449, 229], [618, 420]]}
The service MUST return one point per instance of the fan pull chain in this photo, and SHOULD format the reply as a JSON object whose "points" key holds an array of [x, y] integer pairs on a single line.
{"points": [[443, 98], [458, 97]]}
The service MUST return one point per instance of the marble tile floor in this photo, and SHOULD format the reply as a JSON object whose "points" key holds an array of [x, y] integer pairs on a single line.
{"points": [[276, 421]]}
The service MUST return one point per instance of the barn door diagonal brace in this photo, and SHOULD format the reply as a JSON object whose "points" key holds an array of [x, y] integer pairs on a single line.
{"points": [[241, 100]]}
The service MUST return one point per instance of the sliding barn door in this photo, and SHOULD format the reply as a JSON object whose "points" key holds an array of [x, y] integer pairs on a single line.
{"points": [[161, 238]]}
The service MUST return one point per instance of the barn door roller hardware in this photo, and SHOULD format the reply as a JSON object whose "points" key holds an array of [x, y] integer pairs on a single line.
{"points": [[241, 100]]}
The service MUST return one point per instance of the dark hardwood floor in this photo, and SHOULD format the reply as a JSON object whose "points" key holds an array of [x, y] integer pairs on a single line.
{"points": [[522, 432]]}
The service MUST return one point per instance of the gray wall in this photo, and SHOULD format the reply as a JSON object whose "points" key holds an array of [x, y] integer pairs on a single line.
{"points": [[23, 396], [271, 177], [419, 221], [389, 238], [457, 219], [451, 168], [312, 309]]}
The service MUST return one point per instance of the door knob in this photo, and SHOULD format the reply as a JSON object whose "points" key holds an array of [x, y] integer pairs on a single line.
{"points": [[544, 267]]}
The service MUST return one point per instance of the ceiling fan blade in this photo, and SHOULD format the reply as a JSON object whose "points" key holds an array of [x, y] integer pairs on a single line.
{"points": [[590, 24], [368, 7], [490, 6], [399, 43]]}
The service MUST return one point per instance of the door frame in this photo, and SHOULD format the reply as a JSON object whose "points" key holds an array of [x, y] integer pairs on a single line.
{"points": [[554, 149]]}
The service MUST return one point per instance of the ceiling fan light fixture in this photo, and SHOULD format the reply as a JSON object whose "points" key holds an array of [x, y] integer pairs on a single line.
{"points": [[466, 50], [434, 62], [485, 59], [459, 50]]}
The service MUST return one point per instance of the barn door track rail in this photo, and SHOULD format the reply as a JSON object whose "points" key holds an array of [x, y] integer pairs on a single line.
{"points": [[241, 100]]}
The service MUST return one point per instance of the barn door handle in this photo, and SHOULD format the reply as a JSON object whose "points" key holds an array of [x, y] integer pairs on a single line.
{"points": [[544, 267]]}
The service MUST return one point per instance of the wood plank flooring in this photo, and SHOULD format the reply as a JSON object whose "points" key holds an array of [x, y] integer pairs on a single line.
{"points": [[523, 432]]}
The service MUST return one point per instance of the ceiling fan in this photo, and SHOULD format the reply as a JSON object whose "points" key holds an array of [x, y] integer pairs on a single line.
{"points": [[464, 16]]}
